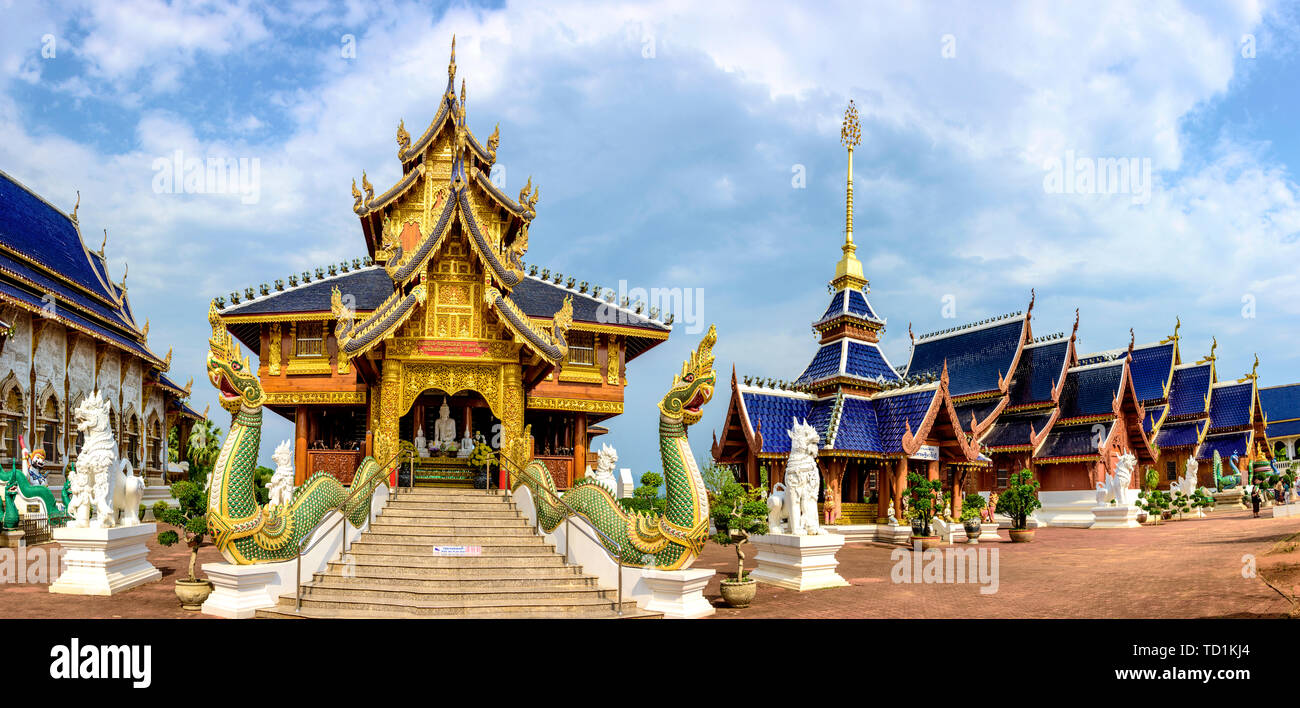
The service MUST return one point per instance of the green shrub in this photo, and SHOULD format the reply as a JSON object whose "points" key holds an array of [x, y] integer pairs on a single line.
{"points": [[190, 515], [646, 497], [1020, 499], [737, 514], [923, 497]]}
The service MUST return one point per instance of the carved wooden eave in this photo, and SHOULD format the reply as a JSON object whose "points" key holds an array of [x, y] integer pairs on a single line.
{"points": [[940, 403], [738, 416], [1129, 410]]}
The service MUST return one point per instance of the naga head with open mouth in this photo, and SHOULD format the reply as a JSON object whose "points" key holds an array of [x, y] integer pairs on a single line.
{"points": [[693, 387], [236, 382]]}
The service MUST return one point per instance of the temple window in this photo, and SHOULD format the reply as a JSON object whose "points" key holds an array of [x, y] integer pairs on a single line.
{"points": [[153, 443], [582, 348], [79, 438], [310, 340], [12, 415], [1003, 477], [1171, 471], [49, 424], [132, 441]]}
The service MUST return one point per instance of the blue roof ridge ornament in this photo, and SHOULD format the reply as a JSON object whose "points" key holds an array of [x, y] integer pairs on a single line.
{"points": [[1254, 372], [970, 327]]}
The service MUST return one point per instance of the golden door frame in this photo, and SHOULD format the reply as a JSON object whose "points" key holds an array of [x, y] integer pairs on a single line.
{"points": [[498, 384]]}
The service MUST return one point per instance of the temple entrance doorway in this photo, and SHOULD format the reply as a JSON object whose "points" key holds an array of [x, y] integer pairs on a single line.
{"points": [[443, 429]]}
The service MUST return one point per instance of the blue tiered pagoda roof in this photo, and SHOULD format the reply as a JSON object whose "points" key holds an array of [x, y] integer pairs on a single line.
{"points": [[979, 356], [1031, 400], [1235, 416], [1092, 395], [1281, 406]]}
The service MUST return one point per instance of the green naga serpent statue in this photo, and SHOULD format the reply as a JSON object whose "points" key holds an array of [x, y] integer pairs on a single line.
{"points": [[244, 531], [668, 541]]}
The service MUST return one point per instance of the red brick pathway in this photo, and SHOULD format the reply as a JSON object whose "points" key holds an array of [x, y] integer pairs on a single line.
{"points": [[1190, 568], [1187, 568]]}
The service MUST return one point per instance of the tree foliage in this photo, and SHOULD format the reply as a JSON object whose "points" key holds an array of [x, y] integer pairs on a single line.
{"points": [[1020, 499], [738, 513]]}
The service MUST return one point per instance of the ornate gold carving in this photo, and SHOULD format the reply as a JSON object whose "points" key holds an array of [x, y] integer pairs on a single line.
{"points": [[581, 374], [611, 354], [283, 398], [575, 405], [273, 345]]}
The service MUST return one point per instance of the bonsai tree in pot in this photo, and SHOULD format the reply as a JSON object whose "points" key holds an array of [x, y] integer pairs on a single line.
{"points": [[737, 514], [190, 516], [1156, 503], [923, 496], [1019, 501], [972, 508]]}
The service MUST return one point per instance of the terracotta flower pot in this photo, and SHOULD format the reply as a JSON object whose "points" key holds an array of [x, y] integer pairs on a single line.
{"points": [[739, 593], [1022, 535], [193, 593], [927, 542]]}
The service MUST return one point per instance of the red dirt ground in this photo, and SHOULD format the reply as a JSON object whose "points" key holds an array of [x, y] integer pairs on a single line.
{"points": [[1178, 569], [1189, 568]]}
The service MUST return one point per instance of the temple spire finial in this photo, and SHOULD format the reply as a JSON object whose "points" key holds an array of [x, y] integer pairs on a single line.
{"points": [[451, 66], [848, 272]]}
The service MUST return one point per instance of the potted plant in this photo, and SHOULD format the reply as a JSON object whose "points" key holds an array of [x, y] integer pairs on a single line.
{"points": [[1156, 503], [482, 459], [1019, 501], [190, 516], [737, 514], [972, 507], [923, 497]]}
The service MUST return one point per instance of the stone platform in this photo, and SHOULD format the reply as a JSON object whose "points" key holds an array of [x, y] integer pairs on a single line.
{"points": [[105, 561], [798, 562]]}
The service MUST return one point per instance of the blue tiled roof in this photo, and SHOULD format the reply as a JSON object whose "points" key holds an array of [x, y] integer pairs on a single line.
{"points": [[1151, 368], [1038, 371], [858, 305], [30, 226], [826, 362], [1189, 389], [1226, 445], [76, 320], [1180, 434], [979, 409], [1014, 429], [836, 306], [776, 413], [1230, 405], [865, 360], [1284, 429], [1153, 414], [1069, 441], [895, 413], [1280, 403], [45, 284], [858, 428], [819, 417], [975, 357], [1091, 391]]}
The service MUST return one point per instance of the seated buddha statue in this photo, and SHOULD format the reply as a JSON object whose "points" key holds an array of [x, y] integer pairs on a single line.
{"points": [[466, 445], [421, 445], [444, 428]]}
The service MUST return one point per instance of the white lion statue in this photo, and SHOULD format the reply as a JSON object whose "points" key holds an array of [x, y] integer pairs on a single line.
{"points": [[1116, 485], [606, 458], [1186, 485], [280, 488], [796, 500], [103, 486]]}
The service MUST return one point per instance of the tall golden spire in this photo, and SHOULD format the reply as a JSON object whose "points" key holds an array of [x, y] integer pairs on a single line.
{"points": [[451, 66], [848, 272]]}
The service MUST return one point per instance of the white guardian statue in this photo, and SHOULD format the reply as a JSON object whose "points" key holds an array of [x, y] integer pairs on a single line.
{"points": [[280, 488], [1116, 485], [792, 507], [103, 486], [606, 458]]}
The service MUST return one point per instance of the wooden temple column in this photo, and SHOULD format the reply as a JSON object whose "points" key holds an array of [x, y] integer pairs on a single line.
{"points": [[579, 446], [899, 484], [300, 445], [884, 493], [834, 485]]}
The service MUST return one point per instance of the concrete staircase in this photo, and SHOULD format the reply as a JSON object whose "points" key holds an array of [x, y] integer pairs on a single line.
{"points": [[391, 571]]}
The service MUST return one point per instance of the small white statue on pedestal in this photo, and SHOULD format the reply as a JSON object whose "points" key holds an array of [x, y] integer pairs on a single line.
{"points": [[798, 501], [466, 445], [893, 520], [421, 445]]}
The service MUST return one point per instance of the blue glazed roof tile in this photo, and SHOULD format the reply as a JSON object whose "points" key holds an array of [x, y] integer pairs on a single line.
{"points": [[978, 409], [1280, 403], [1189, 389], [1037, 373], [836, 307], [773, 415], [1151, 369], [76, 320], [1091, 390], [1230, 405], [975, 357], [819, 417], [1069, 441], [858, 427], [1013, 430], [1153, 414], [858, 305], [850, 302], [866, 360], [1226, 445], [894, 415], [1180, 434], [1283, 429], [826, 362]]}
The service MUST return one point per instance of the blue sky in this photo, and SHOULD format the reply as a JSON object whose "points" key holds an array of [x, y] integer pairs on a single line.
{"points": [[664, 137]]}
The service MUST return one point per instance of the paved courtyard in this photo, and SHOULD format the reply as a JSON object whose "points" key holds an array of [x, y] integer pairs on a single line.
{"points": [[1189, 568]]}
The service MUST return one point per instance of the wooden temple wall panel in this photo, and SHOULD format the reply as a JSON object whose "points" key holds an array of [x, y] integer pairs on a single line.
{"points": [[341, 464], [561, 469]]}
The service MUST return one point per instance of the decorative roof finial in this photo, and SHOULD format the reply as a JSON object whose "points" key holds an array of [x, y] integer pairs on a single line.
{"points": [[848, 272], [1254, 371], [909, 333], [126, 269], [1075, 331], [75, 207], [462, 98], [366, 185], [451, 67], [1132, 337], [103, 245], [145, 332], [494, 140], [403, 137]]}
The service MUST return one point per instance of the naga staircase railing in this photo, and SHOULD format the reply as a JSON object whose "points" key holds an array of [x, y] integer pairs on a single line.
{"points": [[365, 489], [513, 469]]}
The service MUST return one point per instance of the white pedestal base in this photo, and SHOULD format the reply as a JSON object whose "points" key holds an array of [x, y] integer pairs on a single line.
{"points": [[12, 538], [1115, 517], [239, 591], [679, 594], [798, 562], [104, 561], [894, 533], [948, 532], [1228, 500]]}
